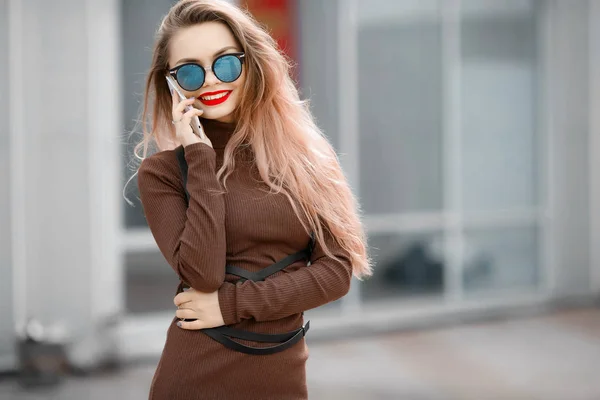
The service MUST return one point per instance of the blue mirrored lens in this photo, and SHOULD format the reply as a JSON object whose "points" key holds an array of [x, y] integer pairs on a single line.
{"points": [[228, 68], [190, 77]]}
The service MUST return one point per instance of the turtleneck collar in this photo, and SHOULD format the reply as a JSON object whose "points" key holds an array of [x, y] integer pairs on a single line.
{"points": [[218, 132]]}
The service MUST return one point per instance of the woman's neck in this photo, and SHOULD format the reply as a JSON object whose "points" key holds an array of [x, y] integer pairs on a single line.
{"points": [[218, 132]]}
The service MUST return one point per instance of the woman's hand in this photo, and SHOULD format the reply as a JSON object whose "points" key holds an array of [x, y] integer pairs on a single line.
{"points": [[204, 307], [182, 120]]}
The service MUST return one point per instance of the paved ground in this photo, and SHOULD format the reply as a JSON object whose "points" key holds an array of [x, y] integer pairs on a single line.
{"points": [[554, 357]]}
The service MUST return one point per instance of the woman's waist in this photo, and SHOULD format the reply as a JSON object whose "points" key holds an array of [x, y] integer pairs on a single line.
{"points": [[278, 326], [288, 326]]}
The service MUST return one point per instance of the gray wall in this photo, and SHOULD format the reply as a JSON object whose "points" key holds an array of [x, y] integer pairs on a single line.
{"points": [[570, 140], [55, 155], [62, 250], [6, 311]]}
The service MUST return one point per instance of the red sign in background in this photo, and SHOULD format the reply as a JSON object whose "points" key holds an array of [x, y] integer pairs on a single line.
{"points": [[280, 17]]}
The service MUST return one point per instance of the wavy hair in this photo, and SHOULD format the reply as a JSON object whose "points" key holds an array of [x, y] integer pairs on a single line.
{"points": [[291, 153]]}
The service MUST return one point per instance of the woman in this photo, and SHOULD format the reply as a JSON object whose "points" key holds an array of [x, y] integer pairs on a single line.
{"points": [[260, 183]]}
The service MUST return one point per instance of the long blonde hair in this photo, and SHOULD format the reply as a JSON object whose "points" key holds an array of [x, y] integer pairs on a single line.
{"points": [[292, 155]]}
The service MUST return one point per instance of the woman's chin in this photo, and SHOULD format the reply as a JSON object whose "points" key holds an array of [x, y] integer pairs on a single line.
{"points": [[218, 116]]}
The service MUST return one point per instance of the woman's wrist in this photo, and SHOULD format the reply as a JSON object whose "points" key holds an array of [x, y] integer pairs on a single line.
{"points": [[227, 299], [190, 139]]}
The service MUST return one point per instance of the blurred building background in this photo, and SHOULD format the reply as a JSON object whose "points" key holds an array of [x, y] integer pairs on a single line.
{"points": [[469, 129]]}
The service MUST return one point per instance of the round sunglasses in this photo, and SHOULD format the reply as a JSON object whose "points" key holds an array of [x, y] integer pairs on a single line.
{"points": [[190, 76]]}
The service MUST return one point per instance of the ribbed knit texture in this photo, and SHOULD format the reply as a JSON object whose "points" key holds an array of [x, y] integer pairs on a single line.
{"points": [[249, 228]]}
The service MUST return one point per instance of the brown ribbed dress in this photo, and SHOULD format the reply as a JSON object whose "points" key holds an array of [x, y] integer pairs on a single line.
{"points": [[249, 228]]}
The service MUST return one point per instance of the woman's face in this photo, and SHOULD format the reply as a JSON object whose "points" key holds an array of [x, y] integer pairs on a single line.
{"points": [[201, 44]]}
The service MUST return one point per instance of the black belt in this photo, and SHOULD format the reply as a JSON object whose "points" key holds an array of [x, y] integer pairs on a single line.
{"points": [[224, 334]]}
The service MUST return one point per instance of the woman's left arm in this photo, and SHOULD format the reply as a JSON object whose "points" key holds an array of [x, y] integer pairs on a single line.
{"points": [[325, 280]]}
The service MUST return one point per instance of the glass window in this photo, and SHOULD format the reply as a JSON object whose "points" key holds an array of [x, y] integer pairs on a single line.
{"points": [[139, 23], [400, 106], [318, 63], [405, 264], [151, 283], [499, 101], [501, 258]]}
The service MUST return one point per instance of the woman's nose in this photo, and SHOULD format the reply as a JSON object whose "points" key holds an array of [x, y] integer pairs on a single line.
{"points": [[210, 79]]}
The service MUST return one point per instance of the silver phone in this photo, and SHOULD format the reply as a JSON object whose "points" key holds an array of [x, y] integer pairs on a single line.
{"points": [[196, 126]]}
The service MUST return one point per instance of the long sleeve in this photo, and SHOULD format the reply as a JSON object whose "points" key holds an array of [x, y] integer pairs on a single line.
{"points": [[323, 281], [192, 239]]}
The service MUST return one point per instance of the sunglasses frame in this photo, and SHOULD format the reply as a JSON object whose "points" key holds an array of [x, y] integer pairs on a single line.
{"points": [[173, 71]]}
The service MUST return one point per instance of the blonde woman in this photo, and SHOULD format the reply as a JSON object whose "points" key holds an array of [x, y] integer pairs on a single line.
{"points": [[255, 217]]}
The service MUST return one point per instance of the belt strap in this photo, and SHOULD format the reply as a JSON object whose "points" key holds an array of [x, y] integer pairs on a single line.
{"points": [[257, 351], [271, 269], [183, 167], [255, 336]]}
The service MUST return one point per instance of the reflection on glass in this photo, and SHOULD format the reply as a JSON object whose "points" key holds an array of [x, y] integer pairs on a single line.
{"points": [[499, 100], [501, 258], [150, 283], [405, 265], [400, 108]]}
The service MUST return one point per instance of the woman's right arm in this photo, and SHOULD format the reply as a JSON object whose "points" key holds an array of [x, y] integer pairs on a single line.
{"points": [[191, 238]]}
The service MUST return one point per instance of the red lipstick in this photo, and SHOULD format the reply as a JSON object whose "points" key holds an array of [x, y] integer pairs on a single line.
{"points": [[215, 102]]}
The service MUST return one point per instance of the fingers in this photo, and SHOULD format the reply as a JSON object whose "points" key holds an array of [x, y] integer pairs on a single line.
{"points": [[186, 313], [177, 100], [182, 298], [191, 325], [192, 112], [180, 107], [183, 123]]}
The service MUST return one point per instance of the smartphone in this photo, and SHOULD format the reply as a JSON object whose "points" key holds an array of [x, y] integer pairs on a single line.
{"points": [[196, 126]]}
